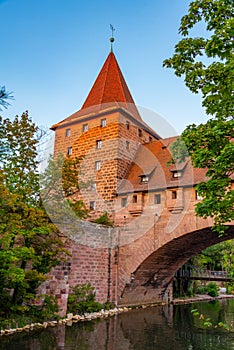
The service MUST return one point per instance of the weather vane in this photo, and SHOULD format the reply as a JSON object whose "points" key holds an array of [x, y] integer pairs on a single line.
{"points": [[112, 39]]}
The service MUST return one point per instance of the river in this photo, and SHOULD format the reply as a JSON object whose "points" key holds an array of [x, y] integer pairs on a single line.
{"points": [[162, 328]]}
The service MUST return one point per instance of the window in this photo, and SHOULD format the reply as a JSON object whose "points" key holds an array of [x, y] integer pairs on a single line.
{"points": [[68, 132], [127, 144], [134, 199], [139, 132], [85, 127], [103, 123], [150, 139], [92, 205], [157, 198], [127, 125], [173, 194], [177, 174], [93, 187], [98, 165], [144, 178], [124, 202], [198, 197], [98, 144], [69, 151]]}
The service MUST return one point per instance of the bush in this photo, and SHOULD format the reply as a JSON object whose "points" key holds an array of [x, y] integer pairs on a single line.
{"points": [[104, 220], [212, 289], [230, 288], [201, 290], [82, 300]]}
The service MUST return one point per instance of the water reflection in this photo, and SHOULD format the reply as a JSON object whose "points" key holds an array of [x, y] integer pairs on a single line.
{"points": [[163, 328]]}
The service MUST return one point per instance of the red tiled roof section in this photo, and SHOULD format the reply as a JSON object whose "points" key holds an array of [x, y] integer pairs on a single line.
{"points": [[156, 155], [110, 86]]}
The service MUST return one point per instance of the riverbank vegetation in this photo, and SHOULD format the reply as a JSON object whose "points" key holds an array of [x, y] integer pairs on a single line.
{"points": [[30, 245]]}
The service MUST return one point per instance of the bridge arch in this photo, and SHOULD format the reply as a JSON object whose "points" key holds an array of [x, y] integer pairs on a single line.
{"points": [[152, 280]]}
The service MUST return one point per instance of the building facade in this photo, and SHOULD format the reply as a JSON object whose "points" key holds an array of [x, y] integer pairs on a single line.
{"points": [[125, 172]]}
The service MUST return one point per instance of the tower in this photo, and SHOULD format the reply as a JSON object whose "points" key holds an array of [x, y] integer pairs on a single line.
{"points": [[106, 133]]}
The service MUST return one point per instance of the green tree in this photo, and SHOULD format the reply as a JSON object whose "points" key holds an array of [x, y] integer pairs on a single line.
{"points": [[218, 257], [59, 186], [18, 157], [4, 96], [207, 65], [30, 245]]}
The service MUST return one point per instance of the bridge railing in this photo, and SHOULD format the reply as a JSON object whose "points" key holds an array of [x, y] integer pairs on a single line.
{"points": [[203, 273]]}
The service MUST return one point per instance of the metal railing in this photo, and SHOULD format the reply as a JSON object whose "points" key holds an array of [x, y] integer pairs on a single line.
{"points": [[196, 273]]}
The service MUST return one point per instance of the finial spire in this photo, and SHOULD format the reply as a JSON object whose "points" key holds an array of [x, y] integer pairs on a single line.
{"points": [[112, 39]]}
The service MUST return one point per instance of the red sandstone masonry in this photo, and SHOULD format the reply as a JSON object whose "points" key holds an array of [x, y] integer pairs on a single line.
{"points": [[138, 263]]}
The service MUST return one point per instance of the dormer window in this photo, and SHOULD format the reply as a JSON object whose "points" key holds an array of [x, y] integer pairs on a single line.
{"points": [[176, 174], [178, 169], [146, 175], [144, 178]]}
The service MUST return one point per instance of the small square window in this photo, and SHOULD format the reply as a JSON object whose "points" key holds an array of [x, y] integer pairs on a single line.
{"points": [[98, 144], [85, 127], [177, 174], [93, 187], [173, 194], [68, 132], [98, 165], [92, 205], [139, 132], [124, 202], [144, 178], [103, 123], [157, 198], [127, 145], [69, 151], [127, 125], [134, 199]]}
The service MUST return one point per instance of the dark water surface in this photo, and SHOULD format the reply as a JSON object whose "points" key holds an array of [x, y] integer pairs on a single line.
{"points": [[162, 328]]}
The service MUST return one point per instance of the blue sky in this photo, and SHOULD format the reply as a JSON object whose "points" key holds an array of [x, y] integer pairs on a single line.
{"points": [[52, 51]]}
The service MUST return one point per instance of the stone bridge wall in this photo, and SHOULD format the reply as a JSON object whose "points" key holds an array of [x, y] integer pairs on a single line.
{"points": [[130, 271]]}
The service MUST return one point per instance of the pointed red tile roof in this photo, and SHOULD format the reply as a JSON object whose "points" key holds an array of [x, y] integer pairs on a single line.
{"points": [[108, 91], [109, 86]]}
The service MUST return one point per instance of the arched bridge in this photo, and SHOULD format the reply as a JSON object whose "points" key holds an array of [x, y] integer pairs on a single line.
{"points": [[134, 264]]}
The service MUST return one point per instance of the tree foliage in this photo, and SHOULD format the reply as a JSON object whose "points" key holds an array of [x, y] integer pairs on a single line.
{"points": [[207, 65], [30, 245], [59, 186], [218, 257], [4, 96]]}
